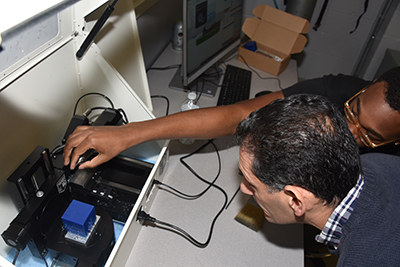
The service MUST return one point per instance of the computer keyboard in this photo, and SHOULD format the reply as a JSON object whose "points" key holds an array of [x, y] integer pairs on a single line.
{"points": [[235, 86]]}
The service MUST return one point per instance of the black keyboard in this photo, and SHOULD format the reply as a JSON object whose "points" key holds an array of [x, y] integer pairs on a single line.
{"points": [[235, 86]]}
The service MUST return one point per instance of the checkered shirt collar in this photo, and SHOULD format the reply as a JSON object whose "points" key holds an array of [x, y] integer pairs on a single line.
{"points": [[332, 231]]}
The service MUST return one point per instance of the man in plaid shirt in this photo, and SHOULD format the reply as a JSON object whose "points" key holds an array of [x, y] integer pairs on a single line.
{"points": [[301, 164]]}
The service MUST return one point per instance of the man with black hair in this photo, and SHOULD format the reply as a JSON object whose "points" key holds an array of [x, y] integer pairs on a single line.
{"points": [[372, 115], [301, 164]]}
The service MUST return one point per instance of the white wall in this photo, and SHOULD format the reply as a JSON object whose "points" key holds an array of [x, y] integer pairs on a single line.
{"points": [[155, 28], [332, 49], [390, 40]]}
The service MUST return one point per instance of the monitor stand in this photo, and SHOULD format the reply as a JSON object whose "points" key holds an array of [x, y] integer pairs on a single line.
{"points": [[209, 89]]}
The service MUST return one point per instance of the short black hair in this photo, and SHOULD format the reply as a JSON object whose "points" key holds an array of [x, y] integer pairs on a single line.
{"points": [[392, 79], [302, 140]]}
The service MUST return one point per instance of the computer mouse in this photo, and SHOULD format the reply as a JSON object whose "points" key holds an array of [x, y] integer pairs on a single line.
{"points": [[262, 93]]}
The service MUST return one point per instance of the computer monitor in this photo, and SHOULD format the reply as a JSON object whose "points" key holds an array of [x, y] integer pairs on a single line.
{"points": [[211, 29]]}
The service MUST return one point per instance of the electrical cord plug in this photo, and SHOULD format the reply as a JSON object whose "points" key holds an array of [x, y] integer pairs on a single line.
{"points": [[144, 217], [157, 182], [87, 112]]}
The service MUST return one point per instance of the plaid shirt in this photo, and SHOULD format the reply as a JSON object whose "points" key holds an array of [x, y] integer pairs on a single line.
{"points": [[332, 231]]}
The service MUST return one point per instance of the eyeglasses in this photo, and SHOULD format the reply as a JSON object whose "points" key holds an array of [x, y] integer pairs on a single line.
{"points": [[352, 118]]}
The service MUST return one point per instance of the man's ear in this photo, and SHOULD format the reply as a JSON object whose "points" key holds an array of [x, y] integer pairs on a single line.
{"points": [[297, 199]]}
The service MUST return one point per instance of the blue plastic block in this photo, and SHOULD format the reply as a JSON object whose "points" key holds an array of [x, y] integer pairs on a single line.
{"points": [[251, 45], [79, 218]]}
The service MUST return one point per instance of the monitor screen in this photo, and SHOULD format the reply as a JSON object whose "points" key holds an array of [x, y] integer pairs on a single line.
{"points": [[211, 29]]}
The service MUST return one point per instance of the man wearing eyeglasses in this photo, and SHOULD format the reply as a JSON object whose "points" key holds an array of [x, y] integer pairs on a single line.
{"points": [[301, 164], [371, 111]]}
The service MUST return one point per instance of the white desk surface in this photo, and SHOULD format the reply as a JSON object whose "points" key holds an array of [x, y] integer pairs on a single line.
{"points": [[232, 244]]}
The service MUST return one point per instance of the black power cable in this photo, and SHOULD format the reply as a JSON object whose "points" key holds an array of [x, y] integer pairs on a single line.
{"points": [[92, 93], [143, 216], [120, 110], [263, 78], [359, 18], [166, 99], [16, 256], [321, 15]]}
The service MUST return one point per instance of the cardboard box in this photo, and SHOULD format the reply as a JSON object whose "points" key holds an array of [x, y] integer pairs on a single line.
{"points": [[277, 34]]}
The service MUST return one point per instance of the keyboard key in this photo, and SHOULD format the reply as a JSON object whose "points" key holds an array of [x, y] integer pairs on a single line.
{"points": [[235, 86]]}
